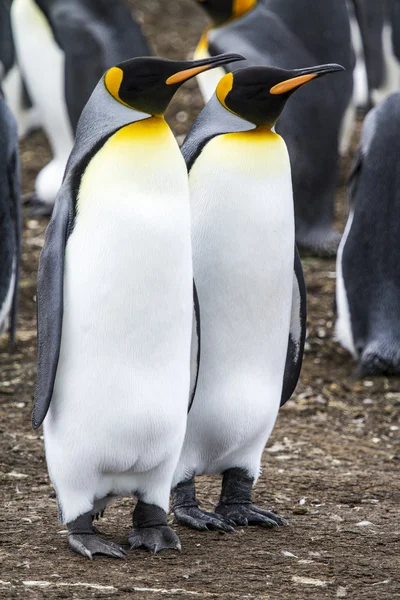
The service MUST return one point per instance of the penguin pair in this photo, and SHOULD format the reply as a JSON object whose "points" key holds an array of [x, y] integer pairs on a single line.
{"points": [[368, 273], [118, 324], [376, 35], [10, 221], [63, 48], [320, 117]]}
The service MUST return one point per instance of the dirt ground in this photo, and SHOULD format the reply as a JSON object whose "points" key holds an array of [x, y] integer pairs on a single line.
{"points": [[331, 466]]}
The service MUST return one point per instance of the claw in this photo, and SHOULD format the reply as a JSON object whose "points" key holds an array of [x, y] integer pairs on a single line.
{"points": [[201, 520], [155, 539], [248, 514], [88, 544]]}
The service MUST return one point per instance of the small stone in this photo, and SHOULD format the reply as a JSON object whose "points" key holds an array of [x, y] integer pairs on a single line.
{"points": [[300, 510]]}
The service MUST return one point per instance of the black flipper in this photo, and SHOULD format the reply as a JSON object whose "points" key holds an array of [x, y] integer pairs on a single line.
{"points": [[297, 334], [14, 185], [50, 304], [195, 348]]}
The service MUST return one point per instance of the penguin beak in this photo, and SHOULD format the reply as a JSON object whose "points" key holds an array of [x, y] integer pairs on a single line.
{"points": [[302, 76], [198, 66]]}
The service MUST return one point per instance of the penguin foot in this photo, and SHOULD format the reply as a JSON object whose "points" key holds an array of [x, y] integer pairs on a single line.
{"points": [[35, 207], [155, 539], [84, 539], [248, 514], [88, 544], [235, 505], [186, 509], [194, 517], [150, 529]]}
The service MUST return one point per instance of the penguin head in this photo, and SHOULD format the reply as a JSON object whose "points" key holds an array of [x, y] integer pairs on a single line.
{"points": [[226, 10], [148, 84], [259, 94]]}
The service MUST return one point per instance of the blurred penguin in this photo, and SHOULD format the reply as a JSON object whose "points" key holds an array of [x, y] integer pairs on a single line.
{"points": [[10, 76], [10, 221], [286, 34], [368, 272], [63, 48], [377, 26]]}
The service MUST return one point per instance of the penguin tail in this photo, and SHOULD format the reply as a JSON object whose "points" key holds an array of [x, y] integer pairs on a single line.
{"points": [[377, 360]]}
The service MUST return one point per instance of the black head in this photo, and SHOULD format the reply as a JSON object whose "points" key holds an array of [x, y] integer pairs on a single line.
{"points": [[224, 10], [148, 84], [259, 94]]}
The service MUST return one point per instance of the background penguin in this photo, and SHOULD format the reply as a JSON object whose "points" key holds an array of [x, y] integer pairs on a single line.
{"points": [[10, 220], [285, 34], [379, 29], [368, 273], [250, 302], [63, 49], [11, 80], [115, 308]]}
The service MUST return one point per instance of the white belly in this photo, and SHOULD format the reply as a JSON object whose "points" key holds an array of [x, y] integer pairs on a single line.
{"points": [[243, 243], [343, 330], [123, 373]]}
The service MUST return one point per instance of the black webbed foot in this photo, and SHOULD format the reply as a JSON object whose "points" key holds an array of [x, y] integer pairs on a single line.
{"points": [[235, 505], [151, 530], [187, 511], [84, 539], [248, 514]]}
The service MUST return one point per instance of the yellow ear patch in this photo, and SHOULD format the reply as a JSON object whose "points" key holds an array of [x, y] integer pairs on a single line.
{"points": [[186, 74], [113, 79], [241, 7], [291, 84], [223, 88]]}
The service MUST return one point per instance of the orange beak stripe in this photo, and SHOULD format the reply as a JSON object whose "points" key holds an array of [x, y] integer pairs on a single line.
{"points": [[291, 84], [186, 74]]}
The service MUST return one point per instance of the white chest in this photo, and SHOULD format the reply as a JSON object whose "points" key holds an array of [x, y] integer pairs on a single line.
{"points": [[243, 244]]}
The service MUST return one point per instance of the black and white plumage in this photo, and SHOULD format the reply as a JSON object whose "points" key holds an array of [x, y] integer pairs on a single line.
{"points": [[250, 288], [115, 309], [318, 121], [10, 220], [368, 262]]}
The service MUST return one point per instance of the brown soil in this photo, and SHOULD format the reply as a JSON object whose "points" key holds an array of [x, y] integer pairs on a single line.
{"points": [[331, 466]]}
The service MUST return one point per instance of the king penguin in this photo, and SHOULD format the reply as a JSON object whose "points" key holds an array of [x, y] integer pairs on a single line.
{"points": [[115, 303], [12, 84], [63, 48], [368, 272], [10, 220], [319, 120], [251, 302], [379, 28]]}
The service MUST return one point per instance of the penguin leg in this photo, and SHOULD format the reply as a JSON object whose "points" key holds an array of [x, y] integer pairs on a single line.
{"points": [[236, 505], [186, 509], [150, 529], [83, 538]]}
